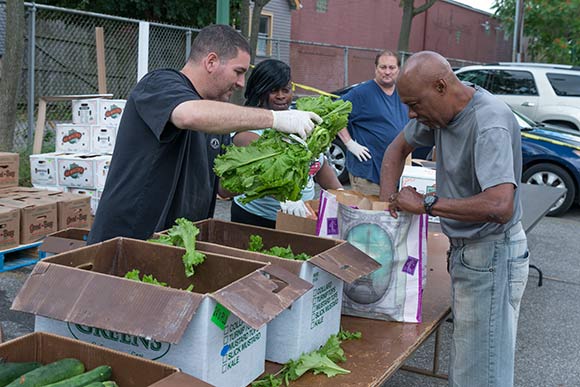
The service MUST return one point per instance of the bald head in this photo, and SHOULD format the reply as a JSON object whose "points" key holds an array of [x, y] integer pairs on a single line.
{"points": [[424, 68], [431, 90]]}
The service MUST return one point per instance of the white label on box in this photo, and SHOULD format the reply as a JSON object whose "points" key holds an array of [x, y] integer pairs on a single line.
{"points": [[224, 358], [73, 138], [85, 111], [103, 138]]}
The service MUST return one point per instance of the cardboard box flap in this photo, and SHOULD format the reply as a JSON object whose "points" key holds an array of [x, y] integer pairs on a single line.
{"points": [[345, 262], [260, 296], [54, 244], [80, 296]]}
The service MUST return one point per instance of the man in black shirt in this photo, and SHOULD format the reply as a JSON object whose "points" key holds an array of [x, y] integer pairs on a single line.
{"points": [[173, 127]]}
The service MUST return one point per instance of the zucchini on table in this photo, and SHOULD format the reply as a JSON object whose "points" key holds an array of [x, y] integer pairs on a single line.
{"points": [[10, 371], [50, 373]]}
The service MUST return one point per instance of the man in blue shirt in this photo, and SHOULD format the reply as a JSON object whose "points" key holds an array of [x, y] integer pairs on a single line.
{"points": [[377, 117]]}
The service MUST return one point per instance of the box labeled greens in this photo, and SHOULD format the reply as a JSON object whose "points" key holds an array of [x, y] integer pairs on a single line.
{"points": [[314, 317], [217, 332], [127, 370]]}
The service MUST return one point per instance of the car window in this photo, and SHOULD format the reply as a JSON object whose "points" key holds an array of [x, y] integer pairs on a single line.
{"points": [[478, 77], [565, 85], [512, 82]]}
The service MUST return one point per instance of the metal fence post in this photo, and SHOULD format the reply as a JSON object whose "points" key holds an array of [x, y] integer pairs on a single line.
{"points": [[187, 44], [345, 66], [31, 67]]}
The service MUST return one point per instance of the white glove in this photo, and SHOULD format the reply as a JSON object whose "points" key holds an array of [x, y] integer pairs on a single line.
{"points": [[361, 152], [295, 122], [297, 208]]}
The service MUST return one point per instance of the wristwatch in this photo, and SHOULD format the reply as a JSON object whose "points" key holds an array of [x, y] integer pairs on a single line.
{"points": [[428, 202]]}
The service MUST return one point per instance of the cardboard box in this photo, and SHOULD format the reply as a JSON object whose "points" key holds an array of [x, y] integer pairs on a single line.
{"points": [[9, 227], [103, 164], [287, 222], [128, 371], [314, 317], [9, 164], [103, 138], [38, 217], [20, 191], [62, 241], [173, 326], [423, 179], [79, 170], [92, 193], [74, 138], [43, 168], [98, 111], [73, 210]]}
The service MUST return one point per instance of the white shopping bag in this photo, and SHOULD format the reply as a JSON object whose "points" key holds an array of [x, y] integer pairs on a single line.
{"points": [[395, 291]]}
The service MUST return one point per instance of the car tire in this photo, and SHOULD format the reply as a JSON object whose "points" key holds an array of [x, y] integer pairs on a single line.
{"points": [[554, 176], [336, 156]]}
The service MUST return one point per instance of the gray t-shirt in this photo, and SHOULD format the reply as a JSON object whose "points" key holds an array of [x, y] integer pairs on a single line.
{"points": [[480, 148]]}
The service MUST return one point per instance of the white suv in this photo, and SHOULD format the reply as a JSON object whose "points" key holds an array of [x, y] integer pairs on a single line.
{"points": [[544, 92]]}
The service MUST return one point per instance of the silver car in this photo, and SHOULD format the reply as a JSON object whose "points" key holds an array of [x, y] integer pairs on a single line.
{"points": [[544, 92]]}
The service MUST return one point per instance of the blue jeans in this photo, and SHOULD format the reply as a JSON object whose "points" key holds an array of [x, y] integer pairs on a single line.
{"points": [[488, 278]]}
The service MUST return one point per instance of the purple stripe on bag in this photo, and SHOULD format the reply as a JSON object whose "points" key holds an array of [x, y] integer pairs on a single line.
{"points": [[322, 208], [420, 294], [410, 265]]}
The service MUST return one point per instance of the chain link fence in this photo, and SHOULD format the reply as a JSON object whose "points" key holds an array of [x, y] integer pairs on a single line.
{"points": [[60, 59]]}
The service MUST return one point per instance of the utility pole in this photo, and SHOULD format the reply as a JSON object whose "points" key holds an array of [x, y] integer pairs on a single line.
{"points": [[222, 12], [518, 32]]}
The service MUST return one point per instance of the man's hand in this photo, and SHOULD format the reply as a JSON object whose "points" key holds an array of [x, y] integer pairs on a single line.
{"points": [[361, 152], [295, 122], [408, 199], [297, 208]]}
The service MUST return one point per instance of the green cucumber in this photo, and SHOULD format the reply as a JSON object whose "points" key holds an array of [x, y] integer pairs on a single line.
{"points": [[50, 373], [108, 383], [10, 371], [99, 374]]}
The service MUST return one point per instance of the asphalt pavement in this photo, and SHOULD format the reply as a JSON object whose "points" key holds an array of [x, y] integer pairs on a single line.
{"points": [[548, 337]]}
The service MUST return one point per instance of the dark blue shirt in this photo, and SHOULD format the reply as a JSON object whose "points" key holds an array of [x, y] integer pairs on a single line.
{"points": [[375, 121]]}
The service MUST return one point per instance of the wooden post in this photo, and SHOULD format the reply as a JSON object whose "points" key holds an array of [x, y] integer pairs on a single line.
{"points": [[101, 68], [39, 130]]}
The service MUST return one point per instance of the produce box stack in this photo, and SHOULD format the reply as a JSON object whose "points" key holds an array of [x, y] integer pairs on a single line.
{"points": [[40, 359], [216, 331], [83, 150]]}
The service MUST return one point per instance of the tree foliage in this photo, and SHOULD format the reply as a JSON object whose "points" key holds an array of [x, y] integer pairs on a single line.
{"points": [[190, 13], [409, 12], [553, 28]]}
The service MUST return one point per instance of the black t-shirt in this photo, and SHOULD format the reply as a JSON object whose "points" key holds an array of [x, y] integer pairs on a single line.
{"points": [[158, 172]]}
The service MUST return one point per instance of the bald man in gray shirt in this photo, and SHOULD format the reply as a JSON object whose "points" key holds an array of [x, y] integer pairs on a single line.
{"points": [[479, 166]]}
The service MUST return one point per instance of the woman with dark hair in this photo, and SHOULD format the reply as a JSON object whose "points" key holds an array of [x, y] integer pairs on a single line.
{"points": [[270, 87]]}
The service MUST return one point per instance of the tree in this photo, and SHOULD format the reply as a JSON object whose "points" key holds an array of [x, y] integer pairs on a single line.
{"points": [[409, 12], [11, 70], [191, 13], [553, 28]]}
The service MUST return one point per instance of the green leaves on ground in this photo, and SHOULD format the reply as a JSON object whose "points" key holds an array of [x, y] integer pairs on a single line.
{"points": [[321, 361], [257, 245], [183, 234], [275, 165]]}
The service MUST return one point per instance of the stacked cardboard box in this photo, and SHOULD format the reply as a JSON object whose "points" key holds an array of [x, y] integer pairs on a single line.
{"points": [[8, 169], [217, 332], [83, 150]]}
